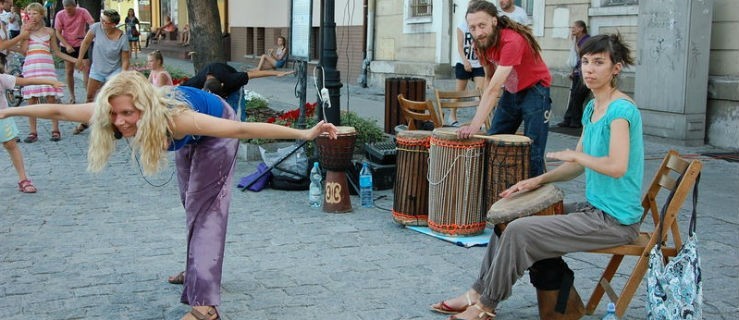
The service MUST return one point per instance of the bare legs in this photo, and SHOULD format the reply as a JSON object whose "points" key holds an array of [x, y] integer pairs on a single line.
{"points": [[33, 135], [16, 158], [266, 62], [92, 89], [69, 76], [134, 45]]}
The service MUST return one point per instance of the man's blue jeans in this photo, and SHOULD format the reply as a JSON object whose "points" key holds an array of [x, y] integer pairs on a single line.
{"points": [[237, 103], [532, 107]]}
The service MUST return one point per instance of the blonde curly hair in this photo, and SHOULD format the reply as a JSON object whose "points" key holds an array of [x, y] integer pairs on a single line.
{"points": [[154, 128]]}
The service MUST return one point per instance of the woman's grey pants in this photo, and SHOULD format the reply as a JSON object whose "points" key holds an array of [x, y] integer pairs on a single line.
{"points": [[530, 239]]}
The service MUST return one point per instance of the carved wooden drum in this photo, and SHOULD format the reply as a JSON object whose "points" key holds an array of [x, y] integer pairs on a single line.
{"points": [[411, 191]]}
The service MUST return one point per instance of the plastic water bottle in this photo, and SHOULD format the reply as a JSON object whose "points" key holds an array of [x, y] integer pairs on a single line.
{"points": [[611, 312], [365, 186], [314, 191]]}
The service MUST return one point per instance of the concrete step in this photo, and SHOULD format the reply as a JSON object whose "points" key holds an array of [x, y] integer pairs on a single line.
{"points": [[170, 48]]}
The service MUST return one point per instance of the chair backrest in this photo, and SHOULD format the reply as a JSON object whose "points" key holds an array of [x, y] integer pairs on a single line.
{"points": [[677, 176], [457, 100], [418, 110]]}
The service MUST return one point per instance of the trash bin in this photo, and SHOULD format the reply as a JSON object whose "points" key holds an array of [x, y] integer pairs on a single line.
{"points": [[411, 88]]}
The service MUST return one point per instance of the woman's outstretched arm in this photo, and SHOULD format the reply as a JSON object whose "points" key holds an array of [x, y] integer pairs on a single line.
{"points": [[65, 112], [193, 123]]}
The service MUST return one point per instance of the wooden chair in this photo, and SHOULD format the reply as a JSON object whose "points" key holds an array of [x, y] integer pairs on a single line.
{"points": [[418, 110], [459, 99], [676, 175]]}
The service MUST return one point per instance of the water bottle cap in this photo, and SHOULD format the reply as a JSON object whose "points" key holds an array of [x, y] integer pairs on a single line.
{"points": [[611, 307], [315, 164]]}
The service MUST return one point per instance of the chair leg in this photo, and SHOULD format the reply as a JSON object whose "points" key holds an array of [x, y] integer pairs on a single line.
{"points": [[599, 289], [640, 269]]}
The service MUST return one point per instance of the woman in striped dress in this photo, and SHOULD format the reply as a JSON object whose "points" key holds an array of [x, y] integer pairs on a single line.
{"points": [[40, 64]]}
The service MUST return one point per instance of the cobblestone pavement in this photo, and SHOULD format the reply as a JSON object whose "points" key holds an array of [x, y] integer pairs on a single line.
{"points": [[100, 246]]}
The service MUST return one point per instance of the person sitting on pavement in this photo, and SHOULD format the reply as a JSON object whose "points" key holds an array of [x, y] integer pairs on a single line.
{"points": [[274, 58], [185, 36], [168, 27], [610, 152], [194, 124]]}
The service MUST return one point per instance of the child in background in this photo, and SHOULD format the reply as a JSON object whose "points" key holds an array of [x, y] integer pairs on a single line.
{"points": [[40, 64], [159, 76], [8, 128]]}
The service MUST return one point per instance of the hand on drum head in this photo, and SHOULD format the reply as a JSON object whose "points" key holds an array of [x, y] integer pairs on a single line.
{"points": [[466, 132], [522, 186], [319, 128]]}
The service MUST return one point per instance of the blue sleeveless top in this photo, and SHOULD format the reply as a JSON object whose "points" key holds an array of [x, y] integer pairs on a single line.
{"points": [[201, 102]]}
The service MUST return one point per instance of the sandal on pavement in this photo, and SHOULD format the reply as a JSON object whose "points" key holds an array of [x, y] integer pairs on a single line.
{"points": [[26, 186], [483, 315], [56, 136], [78, 129], [177, 279], [211, 315], [31, 138], [446, 309]]}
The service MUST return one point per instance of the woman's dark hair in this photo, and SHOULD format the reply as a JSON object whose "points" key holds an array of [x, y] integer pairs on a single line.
{"points": [[504, 23], [611, 44], [112, 15], [582, 25]]}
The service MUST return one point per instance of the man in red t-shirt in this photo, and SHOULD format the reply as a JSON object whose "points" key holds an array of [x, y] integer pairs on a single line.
{"points": [[512, 60], [71, 25]]}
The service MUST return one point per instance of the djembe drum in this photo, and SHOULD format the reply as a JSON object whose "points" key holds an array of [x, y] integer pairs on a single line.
{"points": [[507, 158], [455, 184], [553, 279], [335, 156], [546, 200], [411, 191]]}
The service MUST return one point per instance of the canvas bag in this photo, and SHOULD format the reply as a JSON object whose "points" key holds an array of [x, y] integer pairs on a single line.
{"points": [[675, 290]]}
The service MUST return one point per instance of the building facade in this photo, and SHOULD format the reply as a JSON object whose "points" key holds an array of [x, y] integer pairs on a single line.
{"points": [[419, 41], [377, 39]]}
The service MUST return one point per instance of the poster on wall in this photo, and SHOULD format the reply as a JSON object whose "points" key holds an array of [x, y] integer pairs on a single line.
{"points": [[300, 28]]}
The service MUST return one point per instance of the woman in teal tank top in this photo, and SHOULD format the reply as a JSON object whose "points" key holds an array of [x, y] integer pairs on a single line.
{"points": [[611, 154]]}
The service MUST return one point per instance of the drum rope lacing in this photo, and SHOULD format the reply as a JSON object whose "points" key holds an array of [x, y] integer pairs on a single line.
{"points": [[468, 155]]}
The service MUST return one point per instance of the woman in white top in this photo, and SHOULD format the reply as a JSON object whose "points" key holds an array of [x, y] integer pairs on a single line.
{"points": [[274, 58]]}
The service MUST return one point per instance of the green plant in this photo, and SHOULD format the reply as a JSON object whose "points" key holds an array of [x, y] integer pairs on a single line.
{"points": [[368, 131]]}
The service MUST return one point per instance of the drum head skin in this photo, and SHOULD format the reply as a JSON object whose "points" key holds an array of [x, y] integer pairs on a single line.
{"points": [[507, 139], [524, 204], [414, 134]]}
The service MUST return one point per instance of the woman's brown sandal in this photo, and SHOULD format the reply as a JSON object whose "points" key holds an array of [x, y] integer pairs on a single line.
{"points": [[211, 315], [81, 127]]}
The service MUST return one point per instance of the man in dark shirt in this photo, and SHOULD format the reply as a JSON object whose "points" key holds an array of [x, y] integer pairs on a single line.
{"points": [[225, 81]]}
